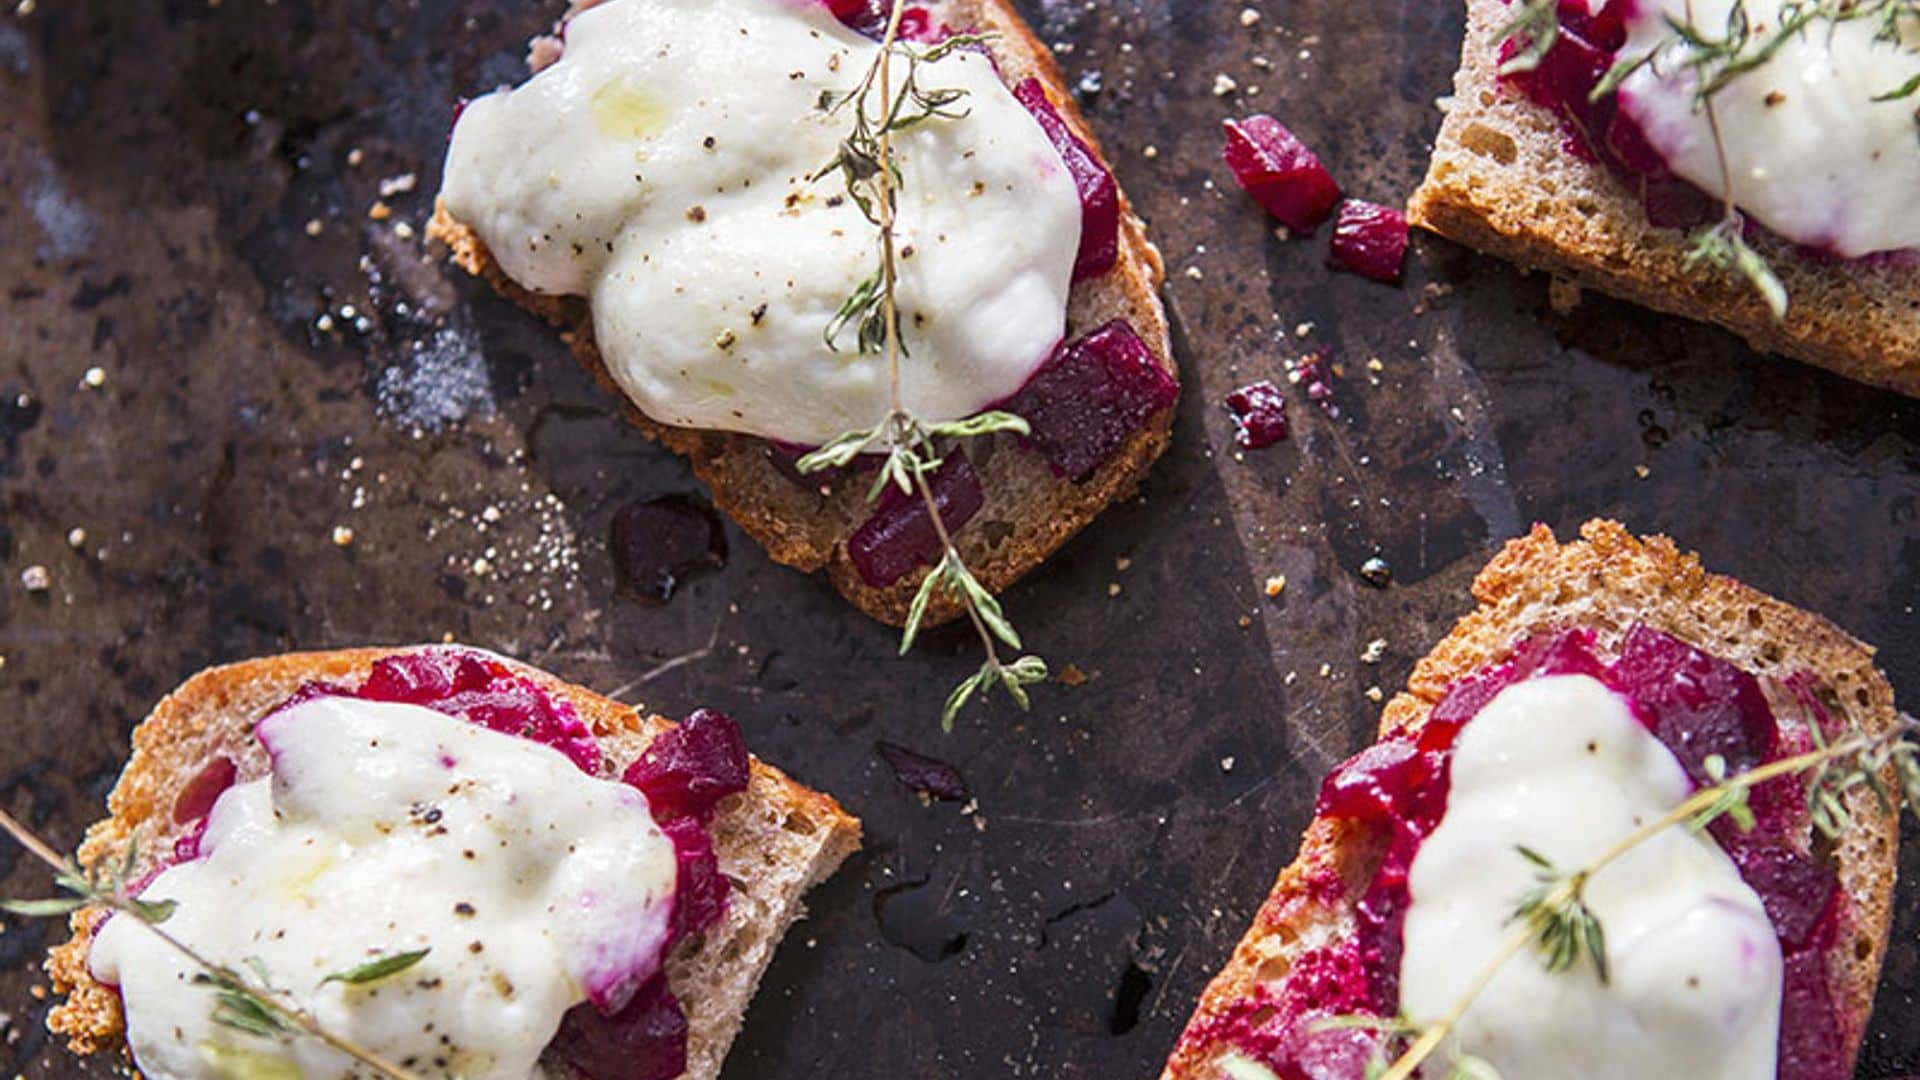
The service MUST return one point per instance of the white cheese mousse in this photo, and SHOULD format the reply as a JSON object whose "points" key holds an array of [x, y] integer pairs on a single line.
{"points": [[1561, 766], [385, 829], [1809, 152], [661, 169]]}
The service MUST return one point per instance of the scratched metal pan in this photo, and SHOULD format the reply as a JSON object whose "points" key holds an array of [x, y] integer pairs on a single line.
{"points": [[184, 204]]}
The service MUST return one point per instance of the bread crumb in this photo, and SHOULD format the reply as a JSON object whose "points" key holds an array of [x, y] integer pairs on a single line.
{"points": [[1071, 675], [314, 226], [24, 8], [1113, 588], [342, 536], [1374, 694], [36, 579], [1374, 364], [1226, 763], [1122, 563], [324, 323], [403, 230], [355, 156], [1374, 651], [1326, 670], [1276, 584], [1244, 621], [1150, 152], [1195, 273], [1642, 471], [1223, 85], [1249, 17], [95, 378], [397, 185], [76, 538], [379, 211]]}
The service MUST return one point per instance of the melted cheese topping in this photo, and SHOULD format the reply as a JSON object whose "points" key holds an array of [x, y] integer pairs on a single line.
{"points": [[1811, 155], [1561, 766], [389, 828], [661, 168]]}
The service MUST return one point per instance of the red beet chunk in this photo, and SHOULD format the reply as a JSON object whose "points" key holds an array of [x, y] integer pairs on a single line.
{"points": [[1801, 894], [1278, 170], [1090, 395], [900, 535], [645, 1040], [1099, 195], [1811, 1046], [1370, 240], [687, 770], [197, 798], [699, 890], [918, 772], [1259, 414], [1700, 704], [484, 691]]}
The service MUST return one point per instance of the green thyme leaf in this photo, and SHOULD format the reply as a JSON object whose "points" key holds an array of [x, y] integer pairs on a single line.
{"points": [[40, 909], [1537, 25], [957, 700], [1617, 74], [1732, 800], [918, 609], [243, 1010], [1722, 245], [839, 451], [979, 424], [378, 968], [1904, 90], [1241, 1067]]}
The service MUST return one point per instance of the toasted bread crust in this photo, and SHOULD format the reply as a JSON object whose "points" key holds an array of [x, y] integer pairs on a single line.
{"points": [[1606, 582], [775, 840], [1029, 512], [1501, 180]]}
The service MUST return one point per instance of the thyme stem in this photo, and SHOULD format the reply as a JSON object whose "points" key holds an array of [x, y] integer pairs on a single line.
{"points": [[274, 1001]]}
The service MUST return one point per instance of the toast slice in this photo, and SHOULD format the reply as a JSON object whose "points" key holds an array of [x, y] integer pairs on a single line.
{"points": [[1501, 180], [774, 841], [1028, 513], [1606, 582]]}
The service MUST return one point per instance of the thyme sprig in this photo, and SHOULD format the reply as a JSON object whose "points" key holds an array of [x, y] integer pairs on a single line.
{"points": [[914, 449], [1556, 924], [1716, 60], [242, 1003]]}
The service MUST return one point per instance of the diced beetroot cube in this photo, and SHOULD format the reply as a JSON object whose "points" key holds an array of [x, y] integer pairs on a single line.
{"points": [[1701, 705], [1800, 893], [699, 890], [1370, 240], [1259, 414], [930, 776], [646, 1040], [1278, 170], [1090, 395], [900, 535], [196, 800], [688, 769], [1099, 195]]}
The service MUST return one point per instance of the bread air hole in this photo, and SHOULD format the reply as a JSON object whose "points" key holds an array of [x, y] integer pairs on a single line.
{"points": [[1489, 143]]}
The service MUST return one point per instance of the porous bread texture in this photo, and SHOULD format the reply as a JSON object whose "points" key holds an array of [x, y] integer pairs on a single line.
{"points": [[1028, 512], [1606, 582], [774, 841], [1503, 180]]}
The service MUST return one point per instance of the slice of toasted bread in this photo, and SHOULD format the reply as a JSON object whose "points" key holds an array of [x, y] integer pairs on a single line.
{"points": [[1029, 512], [1606, 583], [774, 841], [1502, 180]]}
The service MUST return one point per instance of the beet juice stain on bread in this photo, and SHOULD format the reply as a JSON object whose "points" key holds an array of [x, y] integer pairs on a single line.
{"points": [[1783, 145], [651, 191], [591, 893], [1596, 687]]}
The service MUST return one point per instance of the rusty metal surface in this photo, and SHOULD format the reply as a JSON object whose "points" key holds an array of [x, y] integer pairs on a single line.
{"points": [[161, 163]]}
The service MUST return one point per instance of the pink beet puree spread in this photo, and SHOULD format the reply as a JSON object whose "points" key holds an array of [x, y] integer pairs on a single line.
{"points": [[1696, 705], [684, 773]]}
